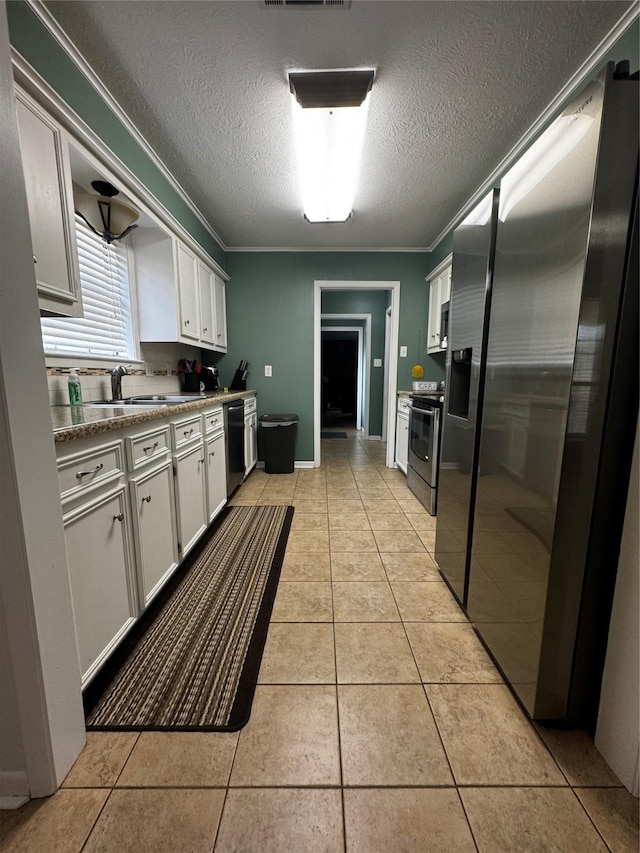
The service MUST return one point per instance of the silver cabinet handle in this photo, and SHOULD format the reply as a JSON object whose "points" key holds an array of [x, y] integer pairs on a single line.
{"points": [[35, 259], [213, 453], [219, 334], [150, 447], [202, 461], [186, 322], [427, 458], [205, 329], [119, 517], [147, 499], [188, 432], [215, 421], [82, 474]]}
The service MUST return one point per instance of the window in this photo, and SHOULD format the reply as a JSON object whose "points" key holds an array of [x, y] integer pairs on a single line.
{"points": [[106, 329]]}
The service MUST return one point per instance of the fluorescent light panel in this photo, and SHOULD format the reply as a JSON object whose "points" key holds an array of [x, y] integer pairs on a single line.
{"points": [[329, 141]]}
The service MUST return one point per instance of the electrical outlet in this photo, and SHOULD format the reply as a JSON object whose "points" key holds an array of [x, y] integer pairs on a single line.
{"points": [[377, 362], [267, 370], [403, 352], [148, 368]]}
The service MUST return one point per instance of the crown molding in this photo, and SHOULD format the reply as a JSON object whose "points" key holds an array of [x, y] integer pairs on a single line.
{"points": [[578, 79], [334, 249], [55, 30]]}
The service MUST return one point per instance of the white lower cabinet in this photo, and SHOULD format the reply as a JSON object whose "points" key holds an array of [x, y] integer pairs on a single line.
{"points": [[191, 496], [101, 575], [216, 475], [250, 441], [154, 528], [402, 441]]}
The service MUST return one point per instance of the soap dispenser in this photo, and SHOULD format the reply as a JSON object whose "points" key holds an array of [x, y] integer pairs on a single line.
{"points": [[75, 388]]}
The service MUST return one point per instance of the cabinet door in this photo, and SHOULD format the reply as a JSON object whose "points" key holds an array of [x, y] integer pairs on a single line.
{"points": [[216, 475], [433, 341], [100, 571], [188, 292], [191, 496], [220, 313], [154, 528], [250, 441], [402, 442], [50, 201], [205, 290]]}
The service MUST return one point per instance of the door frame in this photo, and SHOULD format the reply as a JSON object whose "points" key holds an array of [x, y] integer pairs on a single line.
{"points": [[387, 349], [364, 353], [391, 390]]}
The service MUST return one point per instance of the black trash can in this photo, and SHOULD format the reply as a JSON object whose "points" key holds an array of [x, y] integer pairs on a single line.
{"points": [[278, 439]]}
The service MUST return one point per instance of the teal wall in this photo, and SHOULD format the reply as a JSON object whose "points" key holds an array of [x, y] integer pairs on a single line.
{"points": [[270, 321], [33, 41], [365, 302]]}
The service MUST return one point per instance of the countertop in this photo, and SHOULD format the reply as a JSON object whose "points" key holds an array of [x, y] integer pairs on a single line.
{"points": [[72, 422]]}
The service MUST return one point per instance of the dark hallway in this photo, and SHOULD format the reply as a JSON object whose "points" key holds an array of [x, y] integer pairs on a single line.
{"points": [[339, 379]]}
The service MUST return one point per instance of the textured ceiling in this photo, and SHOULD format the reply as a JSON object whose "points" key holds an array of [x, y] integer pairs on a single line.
{"points": [[457, 84]]}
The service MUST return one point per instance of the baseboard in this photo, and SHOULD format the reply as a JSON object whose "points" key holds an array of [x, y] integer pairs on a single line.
{"points": [[14, 789], [295, 465], [12, 803]]}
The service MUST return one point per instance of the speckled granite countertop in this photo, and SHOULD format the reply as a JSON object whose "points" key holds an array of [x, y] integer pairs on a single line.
{"points": [[71, 422]]}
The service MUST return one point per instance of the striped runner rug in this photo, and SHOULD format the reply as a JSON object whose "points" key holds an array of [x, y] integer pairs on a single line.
{"points": [[195, 665]]}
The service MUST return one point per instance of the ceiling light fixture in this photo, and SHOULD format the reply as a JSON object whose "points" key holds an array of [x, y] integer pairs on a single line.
{"points": [[108, 217], [330, 115]]}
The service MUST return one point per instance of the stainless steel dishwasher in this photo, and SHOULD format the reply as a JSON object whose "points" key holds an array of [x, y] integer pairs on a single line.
{"points": [[234, 440]]}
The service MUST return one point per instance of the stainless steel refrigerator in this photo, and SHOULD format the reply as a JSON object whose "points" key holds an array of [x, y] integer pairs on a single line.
{"points": [[542, 401]]}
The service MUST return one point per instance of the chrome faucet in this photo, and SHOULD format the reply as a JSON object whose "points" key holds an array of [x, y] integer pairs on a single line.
{"points": [[116, 381]]}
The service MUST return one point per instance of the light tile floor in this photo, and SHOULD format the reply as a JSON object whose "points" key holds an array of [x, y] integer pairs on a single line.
{"points": [[379, 723]]}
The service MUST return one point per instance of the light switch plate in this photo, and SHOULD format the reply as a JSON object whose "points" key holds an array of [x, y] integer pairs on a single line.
{"points": [[403, 352], [377, 362], [267, 370]]}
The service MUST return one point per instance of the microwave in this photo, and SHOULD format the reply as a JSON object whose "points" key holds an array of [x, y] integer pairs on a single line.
{"points": [[444, 325]]}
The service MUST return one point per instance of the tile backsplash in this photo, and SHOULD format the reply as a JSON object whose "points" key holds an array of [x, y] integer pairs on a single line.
{"points": [[96, 384]]}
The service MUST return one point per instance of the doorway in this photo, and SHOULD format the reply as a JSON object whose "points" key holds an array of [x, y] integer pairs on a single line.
{"points": [[390, 383]]}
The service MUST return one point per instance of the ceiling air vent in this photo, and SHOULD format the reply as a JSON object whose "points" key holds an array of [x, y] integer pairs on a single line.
{"points": [[306, 4]]}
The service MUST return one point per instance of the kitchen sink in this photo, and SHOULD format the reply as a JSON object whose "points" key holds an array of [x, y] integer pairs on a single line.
{"points": [[147, 400]]}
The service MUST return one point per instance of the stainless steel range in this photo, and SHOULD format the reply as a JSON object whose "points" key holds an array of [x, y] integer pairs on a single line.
{"points": [[425, 413]]}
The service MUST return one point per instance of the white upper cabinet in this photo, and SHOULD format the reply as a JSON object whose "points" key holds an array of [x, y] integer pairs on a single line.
{"points": [[439, 293], [177, 292], [45, 161], [220, 313], [187, 276], [206, 279]]}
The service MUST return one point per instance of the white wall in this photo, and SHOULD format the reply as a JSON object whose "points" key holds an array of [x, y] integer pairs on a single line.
{"points": [[40, 654], [618, 730]]}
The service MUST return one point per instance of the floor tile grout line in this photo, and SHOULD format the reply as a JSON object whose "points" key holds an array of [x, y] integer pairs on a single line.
{"points": [[592, 821], [335, 663]]}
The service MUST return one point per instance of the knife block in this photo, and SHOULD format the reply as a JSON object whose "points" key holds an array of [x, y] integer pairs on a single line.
{"points": [[238, 383]]}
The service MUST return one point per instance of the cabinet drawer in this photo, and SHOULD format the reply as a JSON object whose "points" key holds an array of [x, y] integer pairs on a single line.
{"points": [[80, 472], [147, 447], [403, 406], [213, 421], [250, 404], [186, 431]]}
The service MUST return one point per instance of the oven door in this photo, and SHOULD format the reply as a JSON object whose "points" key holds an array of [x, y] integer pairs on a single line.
{"points": [[424, 425]]}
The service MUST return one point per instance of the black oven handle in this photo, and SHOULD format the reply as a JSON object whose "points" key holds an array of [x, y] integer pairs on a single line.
{"points": [[429, 412]]}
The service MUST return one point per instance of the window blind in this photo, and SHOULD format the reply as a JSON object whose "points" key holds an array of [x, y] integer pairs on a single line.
{"points": [[106, 330]]}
